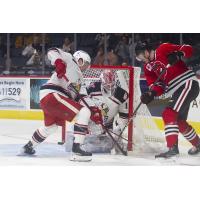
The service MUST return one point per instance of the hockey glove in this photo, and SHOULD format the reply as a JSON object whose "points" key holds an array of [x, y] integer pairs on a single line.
{"points": [[60, 68], [174, 57], [147, 97], [96, 115]]}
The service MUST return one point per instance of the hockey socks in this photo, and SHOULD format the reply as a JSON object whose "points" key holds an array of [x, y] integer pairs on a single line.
{"points": [[171, 127], [37, 138], [192, 137], [171, 134], [188, 132]]}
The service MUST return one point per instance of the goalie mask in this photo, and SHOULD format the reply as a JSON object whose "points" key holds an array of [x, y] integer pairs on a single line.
{"points": [[108, 81], [82, 59]]}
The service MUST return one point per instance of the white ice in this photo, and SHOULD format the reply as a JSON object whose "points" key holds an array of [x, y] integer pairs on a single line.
{"points": [[15, 133]]}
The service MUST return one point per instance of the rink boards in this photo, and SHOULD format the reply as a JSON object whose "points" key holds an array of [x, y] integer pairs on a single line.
{"points": [[19, 99], [38, 115]]}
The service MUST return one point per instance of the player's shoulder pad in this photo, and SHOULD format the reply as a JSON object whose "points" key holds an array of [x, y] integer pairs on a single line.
{"points": [[120, 94], [164, 45], [94, 87]]}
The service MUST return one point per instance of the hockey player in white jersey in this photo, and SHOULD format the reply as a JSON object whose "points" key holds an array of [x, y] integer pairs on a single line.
{"points": [[59, 104], [111, 99]]}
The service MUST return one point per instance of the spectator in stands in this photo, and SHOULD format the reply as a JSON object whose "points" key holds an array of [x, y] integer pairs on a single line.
{"points": [[114, 39], [100, 38], [27, 39], [33, 51], [19, 43], [132, 47], [47, 41], [112, 58], [99, 58], [122, 49], [68, 45]]}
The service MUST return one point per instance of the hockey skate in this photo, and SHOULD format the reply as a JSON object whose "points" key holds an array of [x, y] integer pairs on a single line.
{"points": [[194, 150], [28, 149], [79, 154], [173, 151]]}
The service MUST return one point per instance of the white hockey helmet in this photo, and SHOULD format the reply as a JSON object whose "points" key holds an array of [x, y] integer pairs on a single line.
{"points": [[83, 59], [108, 80]]}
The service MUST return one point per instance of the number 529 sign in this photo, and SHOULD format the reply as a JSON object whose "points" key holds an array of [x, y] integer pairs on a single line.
{"points": [[13, 93]]}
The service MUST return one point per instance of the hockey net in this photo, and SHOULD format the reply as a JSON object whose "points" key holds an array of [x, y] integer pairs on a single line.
{"points": [[142, 133]]}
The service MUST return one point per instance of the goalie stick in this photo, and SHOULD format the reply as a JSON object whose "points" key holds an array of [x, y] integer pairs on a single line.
{"points": [[104, 127]]}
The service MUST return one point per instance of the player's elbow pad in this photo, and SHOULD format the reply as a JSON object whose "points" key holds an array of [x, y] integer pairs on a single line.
{"points": [[60, 68]]}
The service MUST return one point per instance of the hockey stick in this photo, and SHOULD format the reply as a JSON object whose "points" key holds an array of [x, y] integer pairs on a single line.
{"points": [[104, 127], [139, 105]]}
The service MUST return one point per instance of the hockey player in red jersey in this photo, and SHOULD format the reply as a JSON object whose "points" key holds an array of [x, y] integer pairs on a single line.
{"points": [[179, 83], [58, 102]]}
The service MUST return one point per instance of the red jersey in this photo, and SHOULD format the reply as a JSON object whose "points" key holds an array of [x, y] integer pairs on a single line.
{"points": [[175, 75]]}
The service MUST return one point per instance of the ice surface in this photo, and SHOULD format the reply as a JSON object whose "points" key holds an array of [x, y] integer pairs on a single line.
{"points": [[15, 133]]}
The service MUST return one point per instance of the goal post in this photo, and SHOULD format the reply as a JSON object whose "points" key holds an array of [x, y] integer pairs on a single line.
{"points": [[130, 81]]}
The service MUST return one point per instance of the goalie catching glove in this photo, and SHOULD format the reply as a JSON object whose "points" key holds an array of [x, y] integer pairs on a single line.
{"points": [[60, 68], [96, 115], [148, 97]]}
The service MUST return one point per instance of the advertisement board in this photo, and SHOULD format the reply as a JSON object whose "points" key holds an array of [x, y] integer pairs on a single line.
{"points": [[14, 93], [194, 112]]}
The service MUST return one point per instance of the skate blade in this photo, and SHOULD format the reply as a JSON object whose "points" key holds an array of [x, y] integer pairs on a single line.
{"points": [[77, 158], [21, 153], [169, 160], [26, 155]]}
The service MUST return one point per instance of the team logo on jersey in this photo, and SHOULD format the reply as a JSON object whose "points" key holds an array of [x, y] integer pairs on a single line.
{"points": [[149, 66], [104, 111], [75, 87], [157, 67]]}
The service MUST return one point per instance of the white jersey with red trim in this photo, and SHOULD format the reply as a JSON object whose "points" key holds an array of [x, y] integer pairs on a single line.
{"points": [[73, 74], [110, 105]]}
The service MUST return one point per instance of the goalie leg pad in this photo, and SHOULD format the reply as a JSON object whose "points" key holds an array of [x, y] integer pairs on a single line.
{"points": [[189, 133], [171, 127]]}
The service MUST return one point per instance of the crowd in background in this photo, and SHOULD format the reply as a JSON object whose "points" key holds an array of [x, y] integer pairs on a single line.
{"points": [[28, 51]]}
